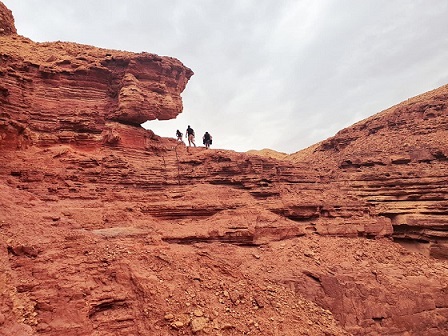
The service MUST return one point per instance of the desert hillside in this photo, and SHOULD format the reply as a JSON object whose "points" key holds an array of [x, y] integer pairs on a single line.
{"points": [[110, 229]]}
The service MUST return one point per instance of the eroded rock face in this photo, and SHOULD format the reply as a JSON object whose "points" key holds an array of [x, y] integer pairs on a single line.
{"points": [[69, 93], [109, 229], [7, 26], [397, 162]]}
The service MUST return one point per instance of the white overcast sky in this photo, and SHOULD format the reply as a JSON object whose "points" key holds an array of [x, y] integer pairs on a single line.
{"points": [[278, 74]]}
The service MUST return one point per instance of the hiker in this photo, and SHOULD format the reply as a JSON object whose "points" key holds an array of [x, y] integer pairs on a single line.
{"points": [[207, 140], [179, 136], [190, 135]]}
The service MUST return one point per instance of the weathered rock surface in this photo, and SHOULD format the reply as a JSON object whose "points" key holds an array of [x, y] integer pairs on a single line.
{"points": [[109, 229], [59, 92], [7, 26], [397, 161]]}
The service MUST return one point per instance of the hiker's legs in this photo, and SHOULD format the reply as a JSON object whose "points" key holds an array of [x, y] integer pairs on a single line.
{"points": [[191, 140]]}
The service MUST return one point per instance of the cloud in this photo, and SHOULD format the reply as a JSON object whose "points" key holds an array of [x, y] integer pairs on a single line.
{"points": [[268, 74]]}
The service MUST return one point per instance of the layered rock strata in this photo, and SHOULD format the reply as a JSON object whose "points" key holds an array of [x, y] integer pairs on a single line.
{"points": [[109, 229], [7, 26], [59, 92], [397, 162]]}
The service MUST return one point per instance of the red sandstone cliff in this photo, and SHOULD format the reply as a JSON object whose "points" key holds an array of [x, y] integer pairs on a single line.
{"points": [[54, 93], [397, 161], [7, 26], [108, 229]]}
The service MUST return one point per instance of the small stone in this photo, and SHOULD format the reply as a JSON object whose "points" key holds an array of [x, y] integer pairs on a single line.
{"points": [[198, 324], [309, 254], [169, 317], [229, 326], [43, 327], [198, 313], [177, 324]]}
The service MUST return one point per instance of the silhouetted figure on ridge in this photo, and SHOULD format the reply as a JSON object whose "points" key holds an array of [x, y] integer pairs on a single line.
{"points": [[207, 140], [179, 136], [190, 135]]}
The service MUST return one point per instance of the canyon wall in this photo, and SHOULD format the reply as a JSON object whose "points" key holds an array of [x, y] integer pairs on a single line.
{"points": [[109, 229], [61, 92], [397, 160]]}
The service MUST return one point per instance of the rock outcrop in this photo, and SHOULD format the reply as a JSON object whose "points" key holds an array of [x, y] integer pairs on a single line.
{"points": [[397, 162], [108, 229], [60, 92], [7, 25]]}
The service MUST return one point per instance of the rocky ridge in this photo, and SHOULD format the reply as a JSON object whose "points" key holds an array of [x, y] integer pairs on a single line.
{"points": [[397, 162], [109, 229]]}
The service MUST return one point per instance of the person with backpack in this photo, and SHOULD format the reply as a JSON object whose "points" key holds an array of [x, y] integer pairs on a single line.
{"points": [[190, 135], [207, 139]]}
